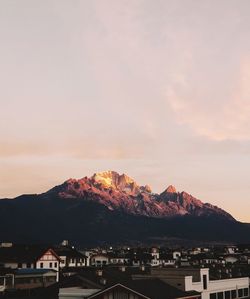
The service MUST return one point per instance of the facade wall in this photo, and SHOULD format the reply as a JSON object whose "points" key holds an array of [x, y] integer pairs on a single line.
{"points": [[63, 261], [168, 262], [119, 294], [11, 265], [155, 257], [119, 260], [99, 260], [216, 286], [48, 261], [19, 265], [71, 262]]}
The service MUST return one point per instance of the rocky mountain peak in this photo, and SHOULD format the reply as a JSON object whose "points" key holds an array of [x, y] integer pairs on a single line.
{"points": [[124, 183], [120, 192], [109, 179], [171, 189]]}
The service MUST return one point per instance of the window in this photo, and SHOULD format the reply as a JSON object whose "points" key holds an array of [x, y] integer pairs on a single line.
{"points": [[227, 295], [19, 265], [55, 265], [233, 293], [28, 265], [246, 292], [240, 293], [220, 295], [50, 265], [204, 282], [41, 265]]}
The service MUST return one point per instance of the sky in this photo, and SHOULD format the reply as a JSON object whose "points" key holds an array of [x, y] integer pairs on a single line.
{"points": [[159, 90]]}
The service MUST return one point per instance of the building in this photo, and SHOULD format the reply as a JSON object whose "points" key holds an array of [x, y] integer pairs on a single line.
{"points": [[155, 253], [24, 279], [88, 254], [29, 257], [117, 258], [114, 282], [199, 280], [141, 289], [176, 255], [70, 257], [167, 260], [99, 259]]}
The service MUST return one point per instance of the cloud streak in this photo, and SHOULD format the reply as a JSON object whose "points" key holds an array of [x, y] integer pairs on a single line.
{"points": [[227, 119]]}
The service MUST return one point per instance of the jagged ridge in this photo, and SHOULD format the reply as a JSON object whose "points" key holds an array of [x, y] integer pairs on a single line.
{"points": [[120, 192]]}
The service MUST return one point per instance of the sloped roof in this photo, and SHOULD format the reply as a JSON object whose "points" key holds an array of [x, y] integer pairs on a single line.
{"points": [[146, 286], [68, 252], [157, 289], [23, 253], [112, 275], [150, 288]]}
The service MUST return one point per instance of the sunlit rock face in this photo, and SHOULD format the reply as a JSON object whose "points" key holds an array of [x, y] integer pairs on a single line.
{"points": [[120, 192], [171, 189], [123, 183]]}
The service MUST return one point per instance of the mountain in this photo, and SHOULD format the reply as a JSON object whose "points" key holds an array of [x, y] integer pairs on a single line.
{"points": [[109, 208], [122, 193]]}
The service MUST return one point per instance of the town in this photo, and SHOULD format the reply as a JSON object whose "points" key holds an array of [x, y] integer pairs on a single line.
{"points": [[64, 271]]}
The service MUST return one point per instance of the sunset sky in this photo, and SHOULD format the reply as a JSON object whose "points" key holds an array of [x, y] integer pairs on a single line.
{"points": [[159, 90]]}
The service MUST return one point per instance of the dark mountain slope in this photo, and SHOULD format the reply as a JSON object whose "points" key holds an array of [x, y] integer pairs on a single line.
{"points": [[50, 219]]}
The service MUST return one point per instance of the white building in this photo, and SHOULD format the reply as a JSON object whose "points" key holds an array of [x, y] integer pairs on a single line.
{"points": [[176, 255], [198, 280], [29, 257], [99, 260], [119, 260], [155, 257], [88, 254], [218, 289], [70, 257], [49, 260]]}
